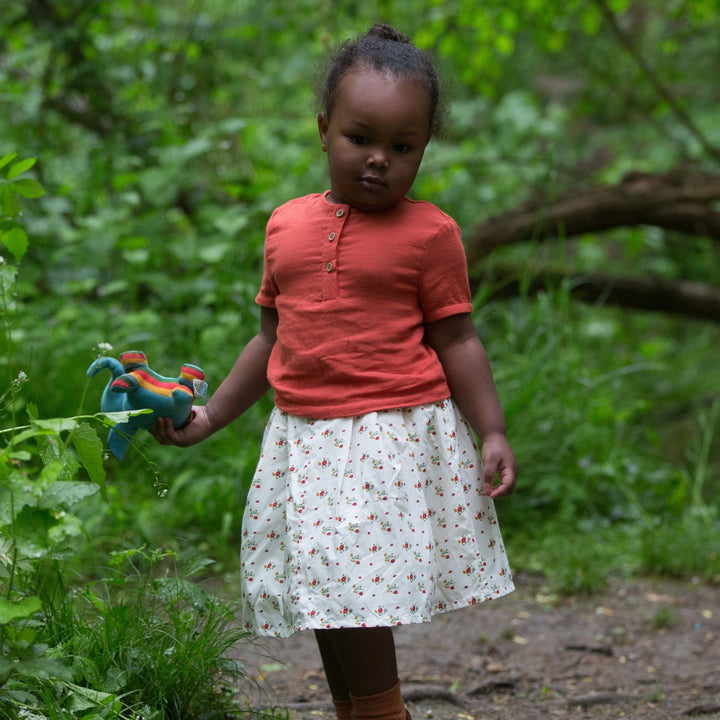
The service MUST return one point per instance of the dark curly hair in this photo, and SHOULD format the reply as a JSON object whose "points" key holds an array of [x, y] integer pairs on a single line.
{"points": [[384, 49]]}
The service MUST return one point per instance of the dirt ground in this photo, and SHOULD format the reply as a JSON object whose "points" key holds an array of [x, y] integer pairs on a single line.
{"points": [[643, 649]]}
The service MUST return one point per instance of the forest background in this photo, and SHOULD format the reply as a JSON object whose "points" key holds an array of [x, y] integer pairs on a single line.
{"points": [[143, 146]]}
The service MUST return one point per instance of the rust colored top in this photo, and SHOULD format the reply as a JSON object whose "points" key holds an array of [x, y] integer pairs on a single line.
{"points": [[353, 291]]}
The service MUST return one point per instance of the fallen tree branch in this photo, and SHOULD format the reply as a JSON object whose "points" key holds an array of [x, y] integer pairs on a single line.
{"points": [[679, 297], [680, 201]]}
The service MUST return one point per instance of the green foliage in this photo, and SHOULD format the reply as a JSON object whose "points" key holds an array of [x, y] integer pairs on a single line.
{"points": [[688, 543], [153, 638], [12, 188], [616, 435], [664, 618], [145, 643], [74, 650], [40, 489], [73, 653]]}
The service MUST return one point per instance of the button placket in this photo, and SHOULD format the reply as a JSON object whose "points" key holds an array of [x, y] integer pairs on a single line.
{"points": [[332, 233]]}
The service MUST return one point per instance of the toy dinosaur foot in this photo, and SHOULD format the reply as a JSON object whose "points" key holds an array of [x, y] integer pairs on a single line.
{"points": [[119, 438]]}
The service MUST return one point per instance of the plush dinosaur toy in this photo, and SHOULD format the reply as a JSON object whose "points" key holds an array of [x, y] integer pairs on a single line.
{"points": [[133, 386]]}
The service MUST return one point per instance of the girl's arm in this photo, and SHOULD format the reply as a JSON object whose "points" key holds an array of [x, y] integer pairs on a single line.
{"points": [[467, 370], [244, 385]]}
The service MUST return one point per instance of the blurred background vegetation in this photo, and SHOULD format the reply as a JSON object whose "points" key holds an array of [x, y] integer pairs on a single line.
{"points": [[165, 134]]}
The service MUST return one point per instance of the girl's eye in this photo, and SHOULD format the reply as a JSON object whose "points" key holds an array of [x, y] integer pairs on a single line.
{"points": [[401, 148], [357, 139]]}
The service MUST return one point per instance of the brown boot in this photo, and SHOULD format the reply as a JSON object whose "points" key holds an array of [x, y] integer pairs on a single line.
{"points": [[387, 705]]}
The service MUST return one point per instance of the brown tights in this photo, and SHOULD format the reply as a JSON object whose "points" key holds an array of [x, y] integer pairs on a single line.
{"points": [[361, 671]]}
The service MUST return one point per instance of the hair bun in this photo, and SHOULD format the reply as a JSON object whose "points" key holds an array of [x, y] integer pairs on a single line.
{"points": [[387, 32]]}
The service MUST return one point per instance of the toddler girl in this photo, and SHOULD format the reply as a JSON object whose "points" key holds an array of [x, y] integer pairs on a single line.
{"points": [[370, 506]]}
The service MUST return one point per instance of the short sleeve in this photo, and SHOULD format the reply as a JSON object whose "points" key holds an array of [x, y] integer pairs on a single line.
{"points": [[444, 287], [268, 288]]}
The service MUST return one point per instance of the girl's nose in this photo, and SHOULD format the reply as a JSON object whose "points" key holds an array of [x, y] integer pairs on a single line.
{"points": [[377, 158]]}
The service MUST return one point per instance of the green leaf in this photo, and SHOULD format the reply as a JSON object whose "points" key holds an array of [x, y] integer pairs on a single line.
{"points": [[16, 241], [66, 493], [82, 699], [89, 448], [196, 565], [591, 21], [20, 167], [57, 425], [20, 456], [7, 159], [9, 203], [504, 44], [8, 273], [619, 6], [10, 611], [51, 473], [121, 416], [28, 188], [26, 434], [34, 667]]}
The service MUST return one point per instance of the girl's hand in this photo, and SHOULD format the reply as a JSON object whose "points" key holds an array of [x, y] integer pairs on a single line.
{"points": [[468, 373], [193, 432], [500, 462]]}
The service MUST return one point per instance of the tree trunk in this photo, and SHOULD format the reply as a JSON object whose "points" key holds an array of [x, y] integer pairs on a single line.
{"points": [[674, 297], [675, 201], [680, 201]]}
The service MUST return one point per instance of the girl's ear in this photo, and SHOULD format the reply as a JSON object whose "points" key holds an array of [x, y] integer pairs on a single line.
{"points": [[323, 126]]}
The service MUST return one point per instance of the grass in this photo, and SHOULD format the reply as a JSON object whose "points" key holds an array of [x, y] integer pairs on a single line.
{"points": [[664, 618], [616, 434], [153, 640]]}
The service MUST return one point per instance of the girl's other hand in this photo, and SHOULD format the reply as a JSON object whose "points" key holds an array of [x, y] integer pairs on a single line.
{"points": [[189, 434], [501, 468]]}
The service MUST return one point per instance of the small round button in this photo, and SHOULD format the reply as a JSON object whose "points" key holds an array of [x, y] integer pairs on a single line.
{"points": [[340, 212], [329, 267], [332, 236]]}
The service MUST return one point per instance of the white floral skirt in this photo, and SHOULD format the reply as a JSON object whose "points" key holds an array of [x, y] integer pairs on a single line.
{"points": [[373, 520]]}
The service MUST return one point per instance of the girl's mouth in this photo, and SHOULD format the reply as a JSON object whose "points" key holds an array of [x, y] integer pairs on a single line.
{"points": [[372, 182]]}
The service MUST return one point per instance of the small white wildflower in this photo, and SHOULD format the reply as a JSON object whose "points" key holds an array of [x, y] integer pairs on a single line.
{"points": [[104, 347], [20, 379], [160, 487], [2, 260]]}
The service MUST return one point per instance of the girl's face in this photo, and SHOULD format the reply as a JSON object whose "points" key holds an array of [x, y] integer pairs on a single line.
{"points": [[375, 138]]}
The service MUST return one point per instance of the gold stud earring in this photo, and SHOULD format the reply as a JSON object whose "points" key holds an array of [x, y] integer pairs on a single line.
{"points": [[323, 147]]}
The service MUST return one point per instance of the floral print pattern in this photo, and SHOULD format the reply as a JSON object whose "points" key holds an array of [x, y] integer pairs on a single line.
{"points": [[373, 520]]}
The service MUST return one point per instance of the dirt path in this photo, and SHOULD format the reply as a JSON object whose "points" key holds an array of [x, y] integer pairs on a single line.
{"points": [[645, 649]]}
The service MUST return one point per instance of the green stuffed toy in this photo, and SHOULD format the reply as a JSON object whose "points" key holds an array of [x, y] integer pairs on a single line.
{"points": [[134, 386]]}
